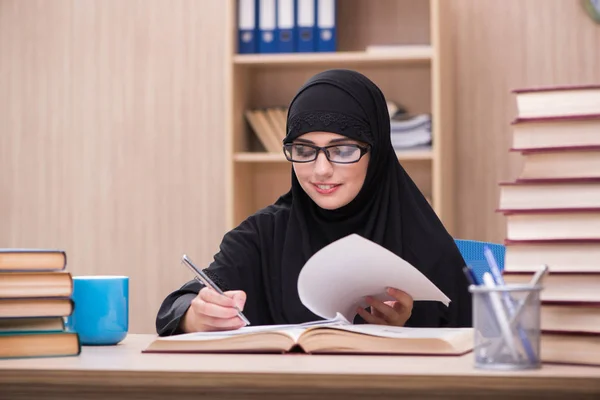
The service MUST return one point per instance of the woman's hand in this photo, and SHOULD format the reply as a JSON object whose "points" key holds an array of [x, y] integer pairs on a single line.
{"points": [[390, 312], [211, 311]]}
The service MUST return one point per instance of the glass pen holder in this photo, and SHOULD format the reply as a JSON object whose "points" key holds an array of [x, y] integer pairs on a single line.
{"points": [[506, 323]]}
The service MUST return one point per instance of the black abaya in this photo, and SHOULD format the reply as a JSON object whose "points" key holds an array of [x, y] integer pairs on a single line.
{"points": [[263, 256]]}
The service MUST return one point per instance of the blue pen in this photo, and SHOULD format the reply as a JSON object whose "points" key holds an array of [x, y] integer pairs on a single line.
{"points": [[472, 278], [497, 275]]}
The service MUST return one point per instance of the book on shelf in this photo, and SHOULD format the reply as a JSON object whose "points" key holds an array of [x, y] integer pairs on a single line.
{"points": [[266, 126], [554, 101], [552, 224], [573, 131], [32, 260], [342, 262], [550, 194], [559, 255], [561, 163], [325, 339]]}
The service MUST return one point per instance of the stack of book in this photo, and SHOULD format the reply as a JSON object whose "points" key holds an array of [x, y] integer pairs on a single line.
{"points": [[35, 297], [552, 214]]}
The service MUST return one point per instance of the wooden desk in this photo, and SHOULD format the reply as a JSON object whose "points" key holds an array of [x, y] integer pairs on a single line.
{"points": [[122, 371]]}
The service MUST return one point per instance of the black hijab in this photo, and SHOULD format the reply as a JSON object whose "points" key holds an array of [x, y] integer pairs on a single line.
{"points": [[264, 254], [389, 209]]}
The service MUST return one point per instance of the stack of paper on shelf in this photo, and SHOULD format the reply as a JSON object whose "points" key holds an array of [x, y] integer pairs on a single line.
{"points": [[408, 131], [552, 213], [35, 297], [268, 125]]}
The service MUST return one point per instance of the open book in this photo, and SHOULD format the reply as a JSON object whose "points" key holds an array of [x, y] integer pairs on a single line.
{"points": [[333, 336]]}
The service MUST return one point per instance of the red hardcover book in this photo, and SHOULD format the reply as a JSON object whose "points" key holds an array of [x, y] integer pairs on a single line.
{"points": [[573, 162], [547, 224], [550, 194], [570, 316], [556, 88], [561, 286], [557, 150], [553, 132], [560, 118], [558, 101], [570, 348]]}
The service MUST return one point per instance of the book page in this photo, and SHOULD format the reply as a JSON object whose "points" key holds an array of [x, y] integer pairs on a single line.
{"points": [[403, 332], [338, 277], [292, 330]]}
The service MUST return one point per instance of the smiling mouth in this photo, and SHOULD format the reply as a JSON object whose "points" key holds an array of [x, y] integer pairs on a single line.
{"points": [[326, 189]]}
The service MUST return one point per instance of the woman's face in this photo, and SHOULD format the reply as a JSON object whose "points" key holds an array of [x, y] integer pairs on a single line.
{"points": [[330, 185]]}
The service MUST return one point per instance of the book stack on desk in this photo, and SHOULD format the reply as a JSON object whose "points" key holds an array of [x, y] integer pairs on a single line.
{"points": [[35, 297], [552, 213]]}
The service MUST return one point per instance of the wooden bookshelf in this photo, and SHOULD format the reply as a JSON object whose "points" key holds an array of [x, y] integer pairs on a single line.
{"points": [[404, 55], [415, 75]]}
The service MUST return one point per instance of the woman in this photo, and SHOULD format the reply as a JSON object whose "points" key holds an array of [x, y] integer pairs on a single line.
{"points": [[345, 179]]}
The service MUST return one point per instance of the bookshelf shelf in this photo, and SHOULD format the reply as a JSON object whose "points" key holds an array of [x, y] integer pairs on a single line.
{"points": [[415, 74], [259, 157], [253, 157], [403, 55]]}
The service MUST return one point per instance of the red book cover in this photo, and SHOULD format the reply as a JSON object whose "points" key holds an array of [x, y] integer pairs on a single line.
{"points": [[547, 211], [512, 242], [556, 180], [544, 181], [592, 304], [554, 273], [519, 121], [570, 333], [556, 88], [561, 149]]}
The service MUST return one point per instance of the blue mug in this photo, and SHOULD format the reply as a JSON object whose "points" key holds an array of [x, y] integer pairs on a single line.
{"points": [[101, 312]]}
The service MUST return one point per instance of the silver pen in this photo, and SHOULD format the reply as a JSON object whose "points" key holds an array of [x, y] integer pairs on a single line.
{"points": [[201, 277]]}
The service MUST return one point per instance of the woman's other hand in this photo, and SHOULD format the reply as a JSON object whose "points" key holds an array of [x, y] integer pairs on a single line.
{"points": [[395, 312], [211, 311]]}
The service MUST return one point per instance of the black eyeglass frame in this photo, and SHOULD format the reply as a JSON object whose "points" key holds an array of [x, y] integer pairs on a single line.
{"points": [[363, 150]]}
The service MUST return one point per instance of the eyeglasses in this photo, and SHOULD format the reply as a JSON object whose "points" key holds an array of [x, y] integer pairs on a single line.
{"points": [[337, 153]]}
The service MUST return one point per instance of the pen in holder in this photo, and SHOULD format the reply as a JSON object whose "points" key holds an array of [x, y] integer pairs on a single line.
{"points": [[506, 337]]}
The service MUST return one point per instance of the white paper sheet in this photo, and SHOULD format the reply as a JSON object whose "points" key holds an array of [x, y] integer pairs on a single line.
{"points": [[339, 276]]}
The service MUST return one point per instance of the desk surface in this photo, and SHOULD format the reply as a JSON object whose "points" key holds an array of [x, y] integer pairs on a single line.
{"points": [[122, 371]]}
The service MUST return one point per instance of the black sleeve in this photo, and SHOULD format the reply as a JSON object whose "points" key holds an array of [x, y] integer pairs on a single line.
{"points": [[235, 267], [174, 307]]}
